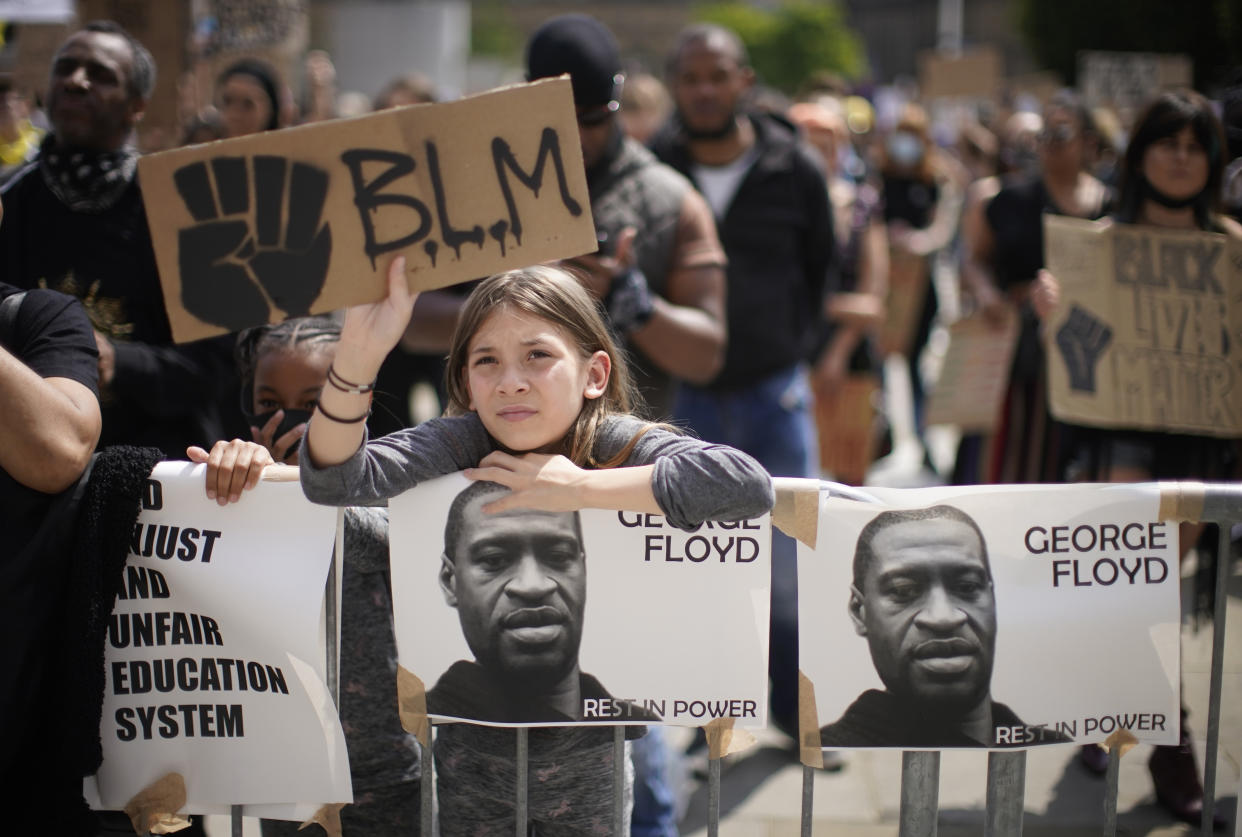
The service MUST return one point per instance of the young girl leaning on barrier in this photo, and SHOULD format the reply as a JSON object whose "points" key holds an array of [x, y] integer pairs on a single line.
{"points": [[283, 368], [539, 399]]}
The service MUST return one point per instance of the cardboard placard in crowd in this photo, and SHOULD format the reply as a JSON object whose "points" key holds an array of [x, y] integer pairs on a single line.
{"points": [[1127, 80], [975, 73], [990, 617], [847, 424], [492, 610], [1148, 335], [909, 282], [212, 658], [306, 220], [974, 374]]}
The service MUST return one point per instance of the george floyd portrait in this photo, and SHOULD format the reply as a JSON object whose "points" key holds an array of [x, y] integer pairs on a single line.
{"points": [[518, 583], [922, 596]]}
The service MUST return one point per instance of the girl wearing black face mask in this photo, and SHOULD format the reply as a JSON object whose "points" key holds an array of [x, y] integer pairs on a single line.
{"points": [[283, 368], [1171, 178]]}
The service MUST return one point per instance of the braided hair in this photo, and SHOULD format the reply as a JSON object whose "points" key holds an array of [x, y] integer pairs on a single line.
{"points": [[302, 333]]}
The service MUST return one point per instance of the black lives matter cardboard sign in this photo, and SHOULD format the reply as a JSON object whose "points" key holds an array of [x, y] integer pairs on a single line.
{"points": [[1148, 334], [303, 221]]}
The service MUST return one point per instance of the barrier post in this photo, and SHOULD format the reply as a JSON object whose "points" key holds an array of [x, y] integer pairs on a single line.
{"points": [[523, 756], [808, 800], [713, 797], [1218, 666], [920, 793], [618, 779], [1006, 793]]}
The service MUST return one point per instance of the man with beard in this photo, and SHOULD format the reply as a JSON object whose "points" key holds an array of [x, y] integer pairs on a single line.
{"points": [[75, 223], [518, 582], [923, 598], [660, 267], [770, 200]]}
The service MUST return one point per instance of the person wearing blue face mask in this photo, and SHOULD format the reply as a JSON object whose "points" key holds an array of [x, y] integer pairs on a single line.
{"points": [[922, 207]]}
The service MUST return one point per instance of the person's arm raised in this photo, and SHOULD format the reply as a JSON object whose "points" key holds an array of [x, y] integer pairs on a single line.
{"points": [[370, 332]]}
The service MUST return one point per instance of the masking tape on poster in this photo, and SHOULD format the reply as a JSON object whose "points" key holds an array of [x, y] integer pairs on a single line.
{"points": [[723, 740], [1122, 739], [1182, 501], [810, 750], [796, 512], [329, 817], [412, 705], [153, 809]]}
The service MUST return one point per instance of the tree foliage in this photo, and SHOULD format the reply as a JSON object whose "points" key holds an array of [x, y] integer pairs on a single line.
{"points": [[790, 40], [1209, 31]]}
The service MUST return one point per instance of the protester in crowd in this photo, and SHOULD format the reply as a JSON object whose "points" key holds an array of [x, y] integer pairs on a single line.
{"points": [[1170, 179], [766, 190], [206, 126], [283, 368], [1231, 118], [645, 106], [49, 423], [319, 87], [412, 89], [19, 138], [75, 222], [248, 96], [922, 206], [539, 402], [660, 268], [1003, 252], [854, 305]]}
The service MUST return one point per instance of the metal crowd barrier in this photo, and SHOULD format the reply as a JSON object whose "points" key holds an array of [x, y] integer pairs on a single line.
{"points": [[920, 771]]}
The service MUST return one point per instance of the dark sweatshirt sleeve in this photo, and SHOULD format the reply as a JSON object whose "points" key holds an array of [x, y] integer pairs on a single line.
{"points": [[385, 467], [695, 481]]}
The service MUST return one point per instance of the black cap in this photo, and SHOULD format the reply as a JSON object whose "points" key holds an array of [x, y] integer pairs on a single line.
{"points": [[583, 47]]}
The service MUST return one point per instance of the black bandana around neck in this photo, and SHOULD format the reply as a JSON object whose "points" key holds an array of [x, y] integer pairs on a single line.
{"points": [[1151, 192], [87, 181]]}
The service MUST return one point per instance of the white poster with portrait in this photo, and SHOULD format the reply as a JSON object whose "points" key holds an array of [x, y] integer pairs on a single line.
{"points": [[991, 616], [213, 654], [546, 619]]}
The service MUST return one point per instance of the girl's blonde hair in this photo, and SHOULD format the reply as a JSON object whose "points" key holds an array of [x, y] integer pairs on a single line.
{"points": [[551, 294]]}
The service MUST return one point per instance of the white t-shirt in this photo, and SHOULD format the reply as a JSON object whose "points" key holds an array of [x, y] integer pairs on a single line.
{"points": [[719, 183]]}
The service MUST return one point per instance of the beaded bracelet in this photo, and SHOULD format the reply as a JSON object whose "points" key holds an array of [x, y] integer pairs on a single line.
{"points": [[343, 385], [340, 420]]}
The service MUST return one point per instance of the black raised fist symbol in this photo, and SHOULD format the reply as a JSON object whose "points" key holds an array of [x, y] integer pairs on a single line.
{"points": [[1082, 339], [258, 243]]}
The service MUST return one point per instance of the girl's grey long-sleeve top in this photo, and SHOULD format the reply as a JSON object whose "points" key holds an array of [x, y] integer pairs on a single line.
{"points": [[693, 481]]}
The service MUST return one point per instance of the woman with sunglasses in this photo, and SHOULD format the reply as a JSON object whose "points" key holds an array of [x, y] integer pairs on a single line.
{"points": [[1170, 178], [1003, 243]]}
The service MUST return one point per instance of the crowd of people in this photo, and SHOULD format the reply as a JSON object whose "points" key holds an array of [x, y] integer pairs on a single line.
{"points": [[746, 244]]}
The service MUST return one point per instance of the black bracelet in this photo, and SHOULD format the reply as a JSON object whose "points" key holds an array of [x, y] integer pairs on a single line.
{"points": [[340, 420], [343, 385]]}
